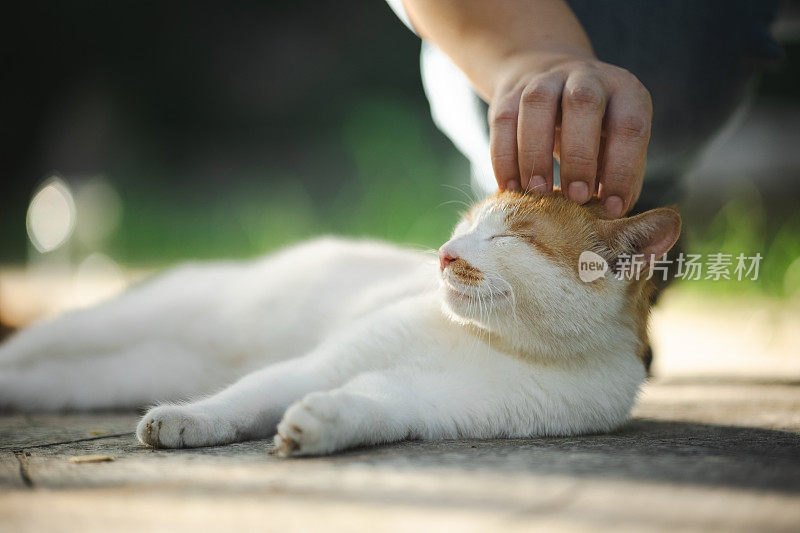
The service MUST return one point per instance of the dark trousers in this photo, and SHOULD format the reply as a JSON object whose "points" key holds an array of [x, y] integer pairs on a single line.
{"points": [[698, 58]]}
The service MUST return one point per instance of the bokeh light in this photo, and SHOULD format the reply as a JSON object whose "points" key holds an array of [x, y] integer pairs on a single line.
{"points": [[51, 215]]}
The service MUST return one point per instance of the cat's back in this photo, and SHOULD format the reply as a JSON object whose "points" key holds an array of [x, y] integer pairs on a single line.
{"points": [[340, 277], [298, 296], [336, 267], [358, 260]]}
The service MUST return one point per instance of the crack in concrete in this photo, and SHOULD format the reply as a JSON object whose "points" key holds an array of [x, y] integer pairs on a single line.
{"points": [[21, 454], [85, 439], [24, 473]]}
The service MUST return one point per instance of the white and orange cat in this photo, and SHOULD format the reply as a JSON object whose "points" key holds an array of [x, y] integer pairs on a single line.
{"points": [[344, 343]]}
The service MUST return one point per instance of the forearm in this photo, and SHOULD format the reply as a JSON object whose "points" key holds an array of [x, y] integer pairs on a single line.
{"points": [[483, 38]]}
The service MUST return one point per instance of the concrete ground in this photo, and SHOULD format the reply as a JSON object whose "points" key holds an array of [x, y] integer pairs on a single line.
{"points": [[714, 443]]}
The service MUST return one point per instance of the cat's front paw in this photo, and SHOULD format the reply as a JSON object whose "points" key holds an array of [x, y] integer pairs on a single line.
{"points": [[174, 426], [316, 425]]}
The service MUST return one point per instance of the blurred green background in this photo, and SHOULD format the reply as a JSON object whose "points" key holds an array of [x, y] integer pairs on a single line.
{"points": [[228, 130]]}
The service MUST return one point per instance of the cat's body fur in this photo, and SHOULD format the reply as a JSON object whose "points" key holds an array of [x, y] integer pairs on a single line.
{"points": [[358, 344]]}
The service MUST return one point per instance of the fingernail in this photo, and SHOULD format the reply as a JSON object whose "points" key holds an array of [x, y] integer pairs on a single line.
{"points": [[512, 185], [578, 191], [538, 184], [614, 206]]}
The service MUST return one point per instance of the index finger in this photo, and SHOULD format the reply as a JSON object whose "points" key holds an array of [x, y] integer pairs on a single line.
{"points": [[627, 135], [503, 116]]}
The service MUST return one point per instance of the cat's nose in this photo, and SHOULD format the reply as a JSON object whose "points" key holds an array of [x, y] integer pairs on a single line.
{"points": [[445, 257]]}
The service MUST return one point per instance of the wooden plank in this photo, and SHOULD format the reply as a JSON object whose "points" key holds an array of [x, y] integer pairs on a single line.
{"points": [[25, 431]]}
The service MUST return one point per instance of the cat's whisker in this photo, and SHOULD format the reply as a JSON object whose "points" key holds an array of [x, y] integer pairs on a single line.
{"points": [[469, 198], [419, 247], [477, 195], [458, 202]]}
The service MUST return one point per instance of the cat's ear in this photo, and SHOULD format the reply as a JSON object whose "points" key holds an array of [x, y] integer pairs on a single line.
{"points": [[648, 235]]}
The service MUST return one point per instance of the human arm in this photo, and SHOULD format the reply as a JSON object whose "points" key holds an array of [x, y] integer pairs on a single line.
{"points": [[548, 94]]}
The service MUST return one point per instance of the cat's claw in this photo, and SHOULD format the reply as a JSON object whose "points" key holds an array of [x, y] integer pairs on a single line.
{"points": [[172, 426], [284, 446], [312, 426]]}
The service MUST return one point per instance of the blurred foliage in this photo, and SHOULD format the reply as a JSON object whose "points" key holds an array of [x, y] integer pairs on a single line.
{"points": [[398, 192], [190, 110], [744, 224]]}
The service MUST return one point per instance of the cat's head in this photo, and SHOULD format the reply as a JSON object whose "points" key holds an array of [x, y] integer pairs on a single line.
{"points": [[512, 268]]}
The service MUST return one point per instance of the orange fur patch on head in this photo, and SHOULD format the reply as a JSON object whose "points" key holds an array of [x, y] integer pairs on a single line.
{"points": [[555, 226], [561, 230]]}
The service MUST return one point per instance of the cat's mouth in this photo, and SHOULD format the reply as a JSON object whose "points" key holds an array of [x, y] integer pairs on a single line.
{"points": [[474, 296]]}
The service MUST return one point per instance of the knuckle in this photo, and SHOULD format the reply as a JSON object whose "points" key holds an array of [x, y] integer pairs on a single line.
{"points": [[632, 127], [503, 115], [584, 97], [539, 94]]}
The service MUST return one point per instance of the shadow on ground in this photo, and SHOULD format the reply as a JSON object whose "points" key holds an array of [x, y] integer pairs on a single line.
{"points": [[643, 450]]}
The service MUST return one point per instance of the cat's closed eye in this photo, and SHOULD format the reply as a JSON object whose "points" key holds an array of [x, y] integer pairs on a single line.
{"points": [[502, 236]]}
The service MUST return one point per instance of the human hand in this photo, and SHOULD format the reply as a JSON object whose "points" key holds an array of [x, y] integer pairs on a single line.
{"points": [[594, 117]]}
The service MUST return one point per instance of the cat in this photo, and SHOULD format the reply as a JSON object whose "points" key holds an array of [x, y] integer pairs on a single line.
{"points": [[343, 343]]}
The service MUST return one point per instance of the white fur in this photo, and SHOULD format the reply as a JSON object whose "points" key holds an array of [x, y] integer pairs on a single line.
{"points": [[340, 343]]}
